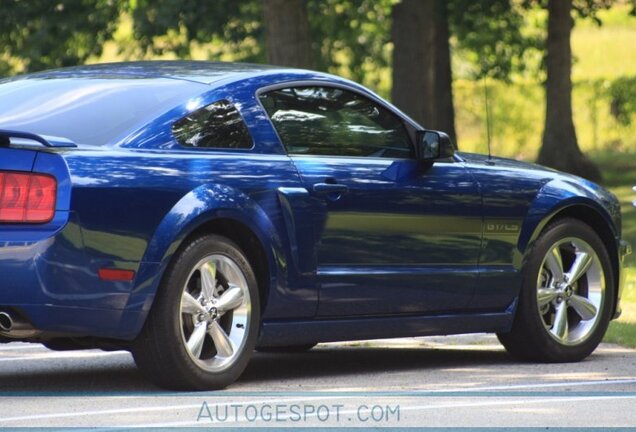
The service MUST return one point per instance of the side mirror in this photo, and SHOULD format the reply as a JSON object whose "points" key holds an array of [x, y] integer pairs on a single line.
{"points": [[434, 145]]}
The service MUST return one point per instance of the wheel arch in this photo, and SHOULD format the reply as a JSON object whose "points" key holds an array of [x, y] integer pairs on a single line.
{"points": [[213, 209], [593, 215]]}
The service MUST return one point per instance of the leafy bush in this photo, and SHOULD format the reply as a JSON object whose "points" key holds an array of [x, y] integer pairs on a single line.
{"points": [[623, 99]]}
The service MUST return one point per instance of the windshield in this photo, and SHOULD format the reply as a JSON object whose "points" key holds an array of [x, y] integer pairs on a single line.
{"points": [[89, 110]]}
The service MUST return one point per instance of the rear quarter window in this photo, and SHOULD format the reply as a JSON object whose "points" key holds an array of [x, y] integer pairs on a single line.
{"points": [[218, 125]]}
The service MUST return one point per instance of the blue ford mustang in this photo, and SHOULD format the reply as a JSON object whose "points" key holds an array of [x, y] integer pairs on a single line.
{"points": [[194, 212]]}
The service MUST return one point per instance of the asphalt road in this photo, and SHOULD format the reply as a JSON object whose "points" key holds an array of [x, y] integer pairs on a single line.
{"points": [[430, 382]]}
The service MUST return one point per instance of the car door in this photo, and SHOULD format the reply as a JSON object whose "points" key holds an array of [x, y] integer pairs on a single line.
{"points": [[391, 235]]}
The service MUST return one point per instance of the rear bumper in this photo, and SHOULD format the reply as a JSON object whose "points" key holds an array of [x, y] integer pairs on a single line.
{"points": [[624, 250], [48, 279]]}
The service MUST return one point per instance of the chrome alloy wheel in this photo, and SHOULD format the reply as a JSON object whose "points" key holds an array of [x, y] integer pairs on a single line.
{"points": [[570, 291], [215, 313]]}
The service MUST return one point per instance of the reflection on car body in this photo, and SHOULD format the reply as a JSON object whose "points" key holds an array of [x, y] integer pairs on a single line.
{"points": [[193, 212]]}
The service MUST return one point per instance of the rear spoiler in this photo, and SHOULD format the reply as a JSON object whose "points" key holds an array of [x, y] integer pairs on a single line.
{"points": [[45, 140]]}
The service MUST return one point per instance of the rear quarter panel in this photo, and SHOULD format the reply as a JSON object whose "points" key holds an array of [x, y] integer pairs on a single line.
{"points": [[135, 208]]}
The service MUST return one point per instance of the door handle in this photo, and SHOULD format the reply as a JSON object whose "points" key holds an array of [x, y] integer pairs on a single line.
{"points": [[330, 188]]}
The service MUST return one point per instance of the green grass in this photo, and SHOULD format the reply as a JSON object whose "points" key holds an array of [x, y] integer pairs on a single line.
{"points": [[601, 51], [619, 170], [623, 330]]}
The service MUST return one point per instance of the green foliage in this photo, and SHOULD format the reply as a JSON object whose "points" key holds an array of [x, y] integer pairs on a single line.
{"points": [[591, 8], [46, 34], [623, 99], [190, 21], [583, 8], [351, 36], [488, 34]]}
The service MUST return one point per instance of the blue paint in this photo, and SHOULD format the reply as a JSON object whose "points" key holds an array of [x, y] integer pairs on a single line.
{"points": [[404, 248]]}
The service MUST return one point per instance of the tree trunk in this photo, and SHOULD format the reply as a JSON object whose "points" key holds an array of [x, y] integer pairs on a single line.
{"points": [[413, 62], [287, 34], [560, 148], [445, 120], [422, 79]]}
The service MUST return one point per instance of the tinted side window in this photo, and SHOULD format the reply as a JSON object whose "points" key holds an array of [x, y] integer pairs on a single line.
{"points": [[218, 125], [337, 122]]}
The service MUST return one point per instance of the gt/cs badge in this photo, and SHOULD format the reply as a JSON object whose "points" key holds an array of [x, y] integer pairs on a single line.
{"points": [[502, 228]]}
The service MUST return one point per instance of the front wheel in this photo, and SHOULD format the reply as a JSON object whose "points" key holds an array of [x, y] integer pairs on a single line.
{"points": [[202, 328], [566, 297]]}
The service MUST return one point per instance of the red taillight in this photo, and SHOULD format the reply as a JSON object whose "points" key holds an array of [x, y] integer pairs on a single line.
{"points": [[116, 274], [27, 197]]}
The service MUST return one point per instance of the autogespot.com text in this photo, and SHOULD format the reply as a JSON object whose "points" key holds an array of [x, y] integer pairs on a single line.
{"points": [[299, 413]]}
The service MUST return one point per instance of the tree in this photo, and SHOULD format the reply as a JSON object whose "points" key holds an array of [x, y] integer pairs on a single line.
{"points": [[487, 31], [488, 35], [560, 147], [43, 34], [278, 29], [348, 37], [351, 38], [287, 33], [414, 60], [173, 25], [445, 112], [422, 79]]}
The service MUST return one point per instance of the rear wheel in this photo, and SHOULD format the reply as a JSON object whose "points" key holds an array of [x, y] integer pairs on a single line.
{"points": [[203, 325], [566, 298]]}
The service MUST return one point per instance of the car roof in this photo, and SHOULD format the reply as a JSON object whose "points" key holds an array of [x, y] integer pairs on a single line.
{"points": [[204, 72], [148, 88]]}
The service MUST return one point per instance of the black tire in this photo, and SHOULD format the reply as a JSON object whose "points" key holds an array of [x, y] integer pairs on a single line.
{"points": [[286, 349], [535, 334], [161, 350], [60, 344]]}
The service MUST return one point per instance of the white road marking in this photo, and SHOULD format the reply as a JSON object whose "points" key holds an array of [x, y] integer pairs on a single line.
{"points": [[530, 386], [345, 396], [149, 408], [96, 412], [63, 355], [13, 346], [428, 407]]}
